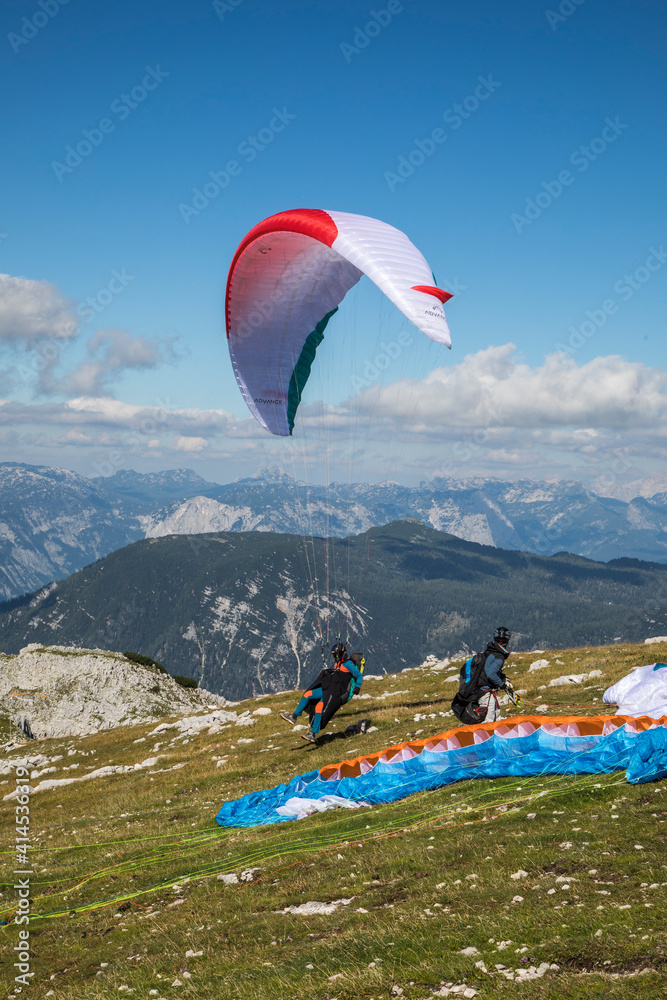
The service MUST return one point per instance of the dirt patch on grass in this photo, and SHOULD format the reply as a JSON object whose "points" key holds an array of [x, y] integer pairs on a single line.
{"points": [[642, 964], [394, 896], [563, 866]]}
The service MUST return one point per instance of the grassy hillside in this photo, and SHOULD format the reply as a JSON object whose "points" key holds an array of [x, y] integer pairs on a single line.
{"points": [[127, 868], [243, 612]]}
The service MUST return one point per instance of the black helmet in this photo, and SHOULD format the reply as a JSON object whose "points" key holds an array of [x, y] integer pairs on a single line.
{"points": [[502, 636], [338, 650]]}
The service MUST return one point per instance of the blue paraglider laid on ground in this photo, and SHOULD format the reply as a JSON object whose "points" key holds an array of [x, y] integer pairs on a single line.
{"points": [[522, 746]]}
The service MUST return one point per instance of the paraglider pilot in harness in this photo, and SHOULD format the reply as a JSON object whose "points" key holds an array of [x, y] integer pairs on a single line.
{"points": [[481, 676], [331, 689]]}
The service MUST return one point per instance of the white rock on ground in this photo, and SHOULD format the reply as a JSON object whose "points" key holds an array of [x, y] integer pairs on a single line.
{"points": [[538, 665], [309, 909], [655, 638], [574, 678], [213, 721], [433, 663], [100, 772], [523, 975], [66, 691], [229, 879]]}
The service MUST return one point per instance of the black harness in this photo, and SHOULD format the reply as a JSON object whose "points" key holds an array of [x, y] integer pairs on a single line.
{"points": [[472, 684]]}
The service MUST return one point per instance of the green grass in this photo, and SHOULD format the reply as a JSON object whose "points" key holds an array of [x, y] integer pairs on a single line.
{"points": [[126, 868]]}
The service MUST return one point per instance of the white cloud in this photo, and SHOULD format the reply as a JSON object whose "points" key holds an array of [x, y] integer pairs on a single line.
{"points": [[39, 322], [110, 353], [190, 444], [31, 311], [76, 436], [106, 414], [491, 389]]}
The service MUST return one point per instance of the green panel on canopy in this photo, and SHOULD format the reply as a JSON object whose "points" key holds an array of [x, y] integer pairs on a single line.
{"points": [[301, 372]]}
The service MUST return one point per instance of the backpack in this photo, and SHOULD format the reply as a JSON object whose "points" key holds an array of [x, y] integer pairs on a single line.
{"points": [[471, 676], [359, 661]]}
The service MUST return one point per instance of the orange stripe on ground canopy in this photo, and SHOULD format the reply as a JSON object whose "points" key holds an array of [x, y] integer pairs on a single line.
{"points": [[586, 726]]}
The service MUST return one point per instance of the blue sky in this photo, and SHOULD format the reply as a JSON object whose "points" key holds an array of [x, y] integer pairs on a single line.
{"points": [[558, 75]]}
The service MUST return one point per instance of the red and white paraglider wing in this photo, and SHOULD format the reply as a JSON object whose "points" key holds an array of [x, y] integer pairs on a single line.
{"points": [[286, 280]]}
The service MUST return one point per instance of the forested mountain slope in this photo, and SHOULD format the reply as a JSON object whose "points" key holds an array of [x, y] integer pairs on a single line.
{"points": [[243, 612]]}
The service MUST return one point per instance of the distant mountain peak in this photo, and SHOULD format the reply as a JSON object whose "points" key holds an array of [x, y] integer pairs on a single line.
{"points": [[650, 487], [125, 476], [273, 474]]}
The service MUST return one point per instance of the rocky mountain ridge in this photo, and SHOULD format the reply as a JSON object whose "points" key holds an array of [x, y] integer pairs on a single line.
{"points": [[54, 522], [69, 691]]}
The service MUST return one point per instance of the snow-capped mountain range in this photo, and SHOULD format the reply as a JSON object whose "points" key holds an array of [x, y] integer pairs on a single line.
{"points": [[53, 521]]}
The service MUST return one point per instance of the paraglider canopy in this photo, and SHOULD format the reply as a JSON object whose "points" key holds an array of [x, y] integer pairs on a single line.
{"points": [[285, 283]]}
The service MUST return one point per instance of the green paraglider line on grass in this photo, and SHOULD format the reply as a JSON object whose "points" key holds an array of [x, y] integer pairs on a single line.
{"points": [[304, 848], [301, 372]]}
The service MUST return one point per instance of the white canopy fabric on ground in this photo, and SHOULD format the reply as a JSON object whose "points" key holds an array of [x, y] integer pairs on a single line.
{"points": [[641, 692]]}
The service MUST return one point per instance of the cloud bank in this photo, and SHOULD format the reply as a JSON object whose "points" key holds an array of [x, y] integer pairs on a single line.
{"points": [[491, 415], [491, 389]]}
